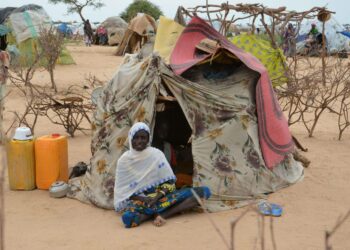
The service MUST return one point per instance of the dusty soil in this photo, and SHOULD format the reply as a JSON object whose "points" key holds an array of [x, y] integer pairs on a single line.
{"points": [[33, 220]]}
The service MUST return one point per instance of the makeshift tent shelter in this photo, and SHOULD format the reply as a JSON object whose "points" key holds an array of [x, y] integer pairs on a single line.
{"points": [[25, 23], [140, 27], [335, 41], [221, 104], [116, 28]]}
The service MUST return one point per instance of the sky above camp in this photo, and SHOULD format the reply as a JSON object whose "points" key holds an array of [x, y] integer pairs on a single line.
{"points": [[115, 7]]}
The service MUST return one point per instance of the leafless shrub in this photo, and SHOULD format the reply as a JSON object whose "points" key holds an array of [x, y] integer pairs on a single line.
{"points": [[251, 208], [51, 43], [260, 226], [343, 113], [70, 111], [21, 75], [308, 95], [92, 82], [29, 117], [68, 108], [329, 234], [22, 71]]}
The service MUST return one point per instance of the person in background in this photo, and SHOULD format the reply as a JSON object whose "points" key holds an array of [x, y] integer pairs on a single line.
{"points": [[312, 42], [313, 31], [102, 35], [289, 44], [88, 33], [145, 183]]}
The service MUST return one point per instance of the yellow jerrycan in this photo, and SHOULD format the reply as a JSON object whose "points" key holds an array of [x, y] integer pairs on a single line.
{"points": [[21, 160], [51, 164]]}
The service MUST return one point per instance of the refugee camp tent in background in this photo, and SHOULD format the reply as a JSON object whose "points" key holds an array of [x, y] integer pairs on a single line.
{"points": [[116, 28], [335, 41], [25, 23], [64, 29], [345, 33], [223, 103], [135, 36]]}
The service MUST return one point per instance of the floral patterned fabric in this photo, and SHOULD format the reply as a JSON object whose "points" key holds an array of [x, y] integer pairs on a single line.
{"points": [[225, 145]]}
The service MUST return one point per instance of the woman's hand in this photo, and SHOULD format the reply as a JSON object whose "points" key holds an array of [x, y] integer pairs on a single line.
{"points": [[154, 200], [144, 199], [149, 202]]}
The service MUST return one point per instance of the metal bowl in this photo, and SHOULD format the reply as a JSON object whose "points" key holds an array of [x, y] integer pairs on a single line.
{"points": [[58, 189]]}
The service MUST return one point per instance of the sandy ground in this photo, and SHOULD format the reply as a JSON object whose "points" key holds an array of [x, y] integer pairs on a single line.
{"points": [[36, 221]]}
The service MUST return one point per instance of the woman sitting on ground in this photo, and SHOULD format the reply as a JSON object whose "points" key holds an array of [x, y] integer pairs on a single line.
{"points": [[145, 183]]}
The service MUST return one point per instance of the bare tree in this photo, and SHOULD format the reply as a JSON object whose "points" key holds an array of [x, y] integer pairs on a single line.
{"points": [[76, 6], [51, 43]]}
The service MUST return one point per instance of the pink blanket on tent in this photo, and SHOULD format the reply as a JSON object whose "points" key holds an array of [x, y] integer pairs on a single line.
{"points": [[274, 135]]}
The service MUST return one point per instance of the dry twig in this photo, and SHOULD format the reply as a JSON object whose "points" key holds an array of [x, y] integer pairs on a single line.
{"points": [[329, 234]]}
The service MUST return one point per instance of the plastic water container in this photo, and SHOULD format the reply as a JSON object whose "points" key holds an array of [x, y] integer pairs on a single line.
{"points": [[51, 160], [21, 160]]}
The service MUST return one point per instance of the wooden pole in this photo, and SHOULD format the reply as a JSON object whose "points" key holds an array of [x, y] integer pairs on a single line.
{"points": [[323, 55], [4, 65]]}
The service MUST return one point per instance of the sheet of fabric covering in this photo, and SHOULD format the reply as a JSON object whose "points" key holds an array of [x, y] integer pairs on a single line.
{"points": [[225, 144], [27, 24], [129, 97], [167, 34], [273, 59], [274, 135], [143, 24]]}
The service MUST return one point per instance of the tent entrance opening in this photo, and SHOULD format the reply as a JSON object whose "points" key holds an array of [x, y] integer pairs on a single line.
{"points": [[171, 135]]}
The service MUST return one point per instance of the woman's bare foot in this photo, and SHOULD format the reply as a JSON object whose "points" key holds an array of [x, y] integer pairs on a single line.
{"points": [[159, 221]]}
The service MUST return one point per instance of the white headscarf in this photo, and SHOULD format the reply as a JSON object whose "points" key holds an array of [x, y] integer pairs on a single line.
{"points": [[138, 171]]}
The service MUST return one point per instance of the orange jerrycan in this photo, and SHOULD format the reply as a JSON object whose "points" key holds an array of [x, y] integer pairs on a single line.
{"points": [[51, 164], [21, 160]]}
